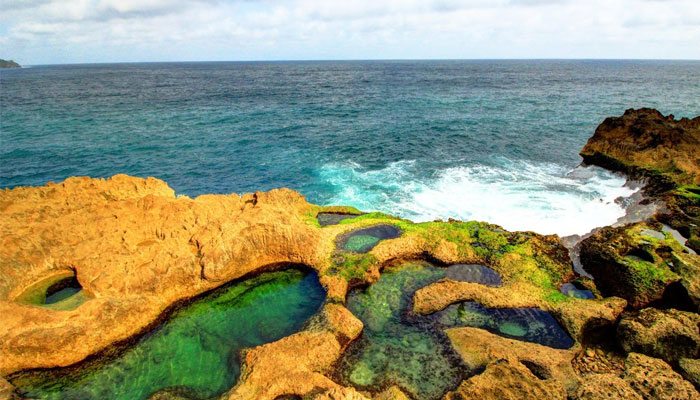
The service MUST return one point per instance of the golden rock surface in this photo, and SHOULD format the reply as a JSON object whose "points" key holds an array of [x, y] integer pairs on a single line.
{"points": [[136, 249]]}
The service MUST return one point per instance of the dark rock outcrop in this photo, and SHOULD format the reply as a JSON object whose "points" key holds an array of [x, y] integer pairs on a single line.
{"points": [[666, 334], [645, 144], [628, 263], [9, 64]]}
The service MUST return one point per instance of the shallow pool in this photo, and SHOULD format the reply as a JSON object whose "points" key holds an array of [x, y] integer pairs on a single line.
{"points": [[197, 350]]}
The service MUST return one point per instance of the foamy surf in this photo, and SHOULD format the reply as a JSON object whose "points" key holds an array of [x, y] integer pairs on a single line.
{"points": [[518, 195]]}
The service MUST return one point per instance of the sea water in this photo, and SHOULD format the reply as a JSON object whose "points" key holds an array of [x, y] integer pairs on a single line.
{"points": [[488, 140]]}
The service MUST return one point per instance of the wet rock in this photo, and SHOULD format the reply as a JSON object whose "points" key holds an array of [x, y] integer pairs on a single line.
{"points": [[507, 380], [690, 369], [340, 393], [7, 391], [668, 334], [654, 379], [687, 266], [392, 393], [661, 150], [628, 264], [605, 387], [644, 142]]}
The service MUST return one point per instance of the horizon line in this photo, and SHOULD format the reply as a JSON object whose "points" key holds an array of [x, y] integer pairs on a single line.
{"points": [[357, 60]]}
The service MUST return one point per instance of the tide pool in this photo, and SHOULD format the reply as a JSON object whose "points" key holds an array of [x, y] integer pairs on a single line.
{"points": [[196, 352]]}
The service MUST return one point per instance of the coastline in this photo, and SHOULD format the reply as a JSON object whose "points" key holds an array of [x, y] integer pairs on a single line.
{"points": [[137, 249]]}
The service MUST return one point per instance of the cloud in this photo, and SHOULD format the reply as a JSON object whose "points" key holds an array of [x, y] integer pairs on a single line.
{"points": [[53, 31]]}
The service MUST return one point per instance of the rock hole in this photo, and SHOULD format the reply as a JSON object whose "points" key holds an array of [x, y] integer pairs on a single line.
{"points": [[62, 290], [641, 254], [538, 370]]}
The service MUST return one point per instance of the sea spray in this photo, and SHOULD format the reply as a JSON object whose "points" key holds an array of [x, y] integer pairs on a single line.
{"points": [[519, 195]]}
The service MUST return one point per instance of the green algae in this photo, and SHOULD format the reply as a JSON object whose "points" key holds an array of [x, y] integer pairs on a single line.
{"points": [[361, 243], [197, 350], [352, 266], [512, 329], [690, 192], [520, 256], [394, 350]]}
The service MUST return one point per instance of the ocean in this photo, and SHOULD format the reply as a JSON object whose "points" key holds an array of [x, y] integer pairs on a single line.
{"points": [[496, 141]]}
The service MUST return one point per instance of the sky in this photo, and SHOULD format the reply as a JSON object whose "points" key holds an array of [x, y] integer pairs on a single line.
{"points": [[36, 32]]}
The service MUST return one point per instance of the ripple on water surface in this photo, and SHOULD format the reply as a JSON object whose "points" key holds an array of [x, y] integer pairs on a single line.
{"points": [[197, 350]]}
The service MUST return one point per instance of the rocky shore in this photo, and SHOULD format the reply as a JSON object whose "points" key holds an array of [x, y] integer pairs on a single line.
{"points": [[88, 267]]}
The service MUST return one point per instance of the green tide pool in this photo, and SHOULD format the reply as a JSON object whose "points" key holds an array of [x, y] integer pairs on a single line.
{"points": [[393, 349], [196, 352], [400, 348]]}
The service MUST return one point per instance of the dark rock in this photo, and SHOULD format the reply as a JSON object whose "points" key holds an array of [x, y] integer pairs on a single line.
{"points": [[626, 264], [654, 379], [668, 334], [9, 64], [690, 369]]}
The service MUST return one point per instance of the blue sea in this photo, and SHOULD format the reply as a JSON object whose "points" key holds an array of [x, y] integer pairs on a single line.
{"points": [[486, 140]]}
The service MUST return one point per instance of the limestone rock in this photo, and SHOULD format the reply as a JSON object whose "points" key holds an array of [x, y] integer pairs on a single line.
{"points": [[661, 150], [687, 266], [505, 380], [666, 334], [654, 379], [297, 364], [392, 393], [136, 249], [690, 369], [340, 393], [479, 348], [625, 263], [7, 391], [645, 141], [605, 387]]}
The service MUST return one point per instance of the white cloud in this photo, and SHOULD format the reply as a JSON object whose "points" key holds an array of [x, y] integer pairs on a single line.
{"points": [[55, 31]]}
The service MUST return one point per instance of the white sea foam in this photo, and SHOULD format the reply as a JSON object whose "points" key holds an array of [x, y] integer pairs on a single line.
{"points": [[518, 195]]}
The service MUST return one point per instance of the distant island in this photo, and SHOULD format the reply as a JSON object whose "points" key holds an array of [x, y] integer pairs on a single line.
{"points": [[9, 64]]}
